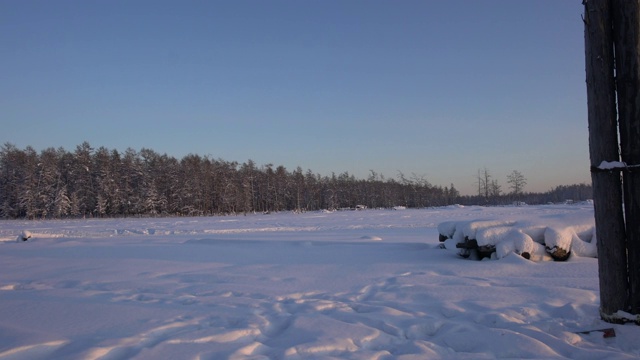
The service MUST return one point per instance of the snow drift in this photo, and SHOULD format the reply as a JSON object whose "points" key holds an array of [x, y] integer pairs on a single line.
{"points": [[369, 284]]}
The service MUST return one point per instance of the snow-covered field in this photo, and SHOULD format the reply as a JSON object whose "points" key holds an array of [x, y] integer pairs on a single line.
{"points": [[370, 284]]}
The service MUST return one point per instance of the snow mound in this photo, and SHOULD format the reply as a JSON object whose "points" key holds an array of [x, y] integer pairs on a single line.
{"points": [[447, 228], [23, 236], [471, 228], [369, 237]]}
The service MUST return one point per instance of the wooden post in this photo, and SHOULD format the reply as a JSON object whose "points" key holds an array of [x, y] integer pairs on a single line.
{"points": [[603, 146], [626, 36]]}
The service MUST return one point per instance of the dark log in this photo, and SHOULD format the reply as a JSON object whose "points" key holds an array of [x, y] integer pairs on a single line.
{"points": [[465, 253], [558, 253], [467, 247], [468, 244], [606, 332], [485, 251]]}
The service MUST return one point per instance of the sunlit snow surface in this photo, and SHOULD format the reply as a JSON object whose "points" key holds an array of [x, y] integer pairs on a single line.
{"points": [[370, 284]]}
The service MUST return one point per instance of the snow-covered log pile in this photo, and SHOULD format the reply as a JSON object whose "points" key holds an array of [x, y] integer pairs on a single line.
{"points": [[24, 236], [532, 240]]}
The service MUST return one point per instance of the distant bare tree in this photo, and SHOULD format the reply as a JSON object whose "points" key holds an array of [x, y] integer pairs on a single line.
{"points": [[484, 183], [494, 189], [516, 182]]}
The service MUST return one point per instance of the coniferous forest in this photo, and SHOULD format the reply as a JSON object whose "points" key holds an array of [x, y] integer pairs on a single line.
{"points": [[88, 182]]}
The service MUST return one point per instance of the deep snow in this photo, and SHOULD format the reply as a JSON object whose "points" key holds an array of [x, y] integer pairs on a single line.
{"points": [[370, 284]]}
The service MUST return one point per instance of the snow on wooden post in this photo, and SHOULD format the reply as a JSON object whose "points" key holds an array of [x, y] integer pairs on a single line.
{"points": [[626, 37], [603, 146]]}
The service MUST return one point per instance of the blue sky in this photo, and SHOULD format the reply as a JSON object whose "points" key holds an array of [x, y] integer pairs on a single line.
{"points": [[438, 89]]}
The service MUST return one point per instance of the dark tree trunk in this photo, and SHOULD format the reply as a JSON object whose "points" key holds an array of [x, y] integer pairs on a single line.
{"points": [[626, 35], [603, 146]]}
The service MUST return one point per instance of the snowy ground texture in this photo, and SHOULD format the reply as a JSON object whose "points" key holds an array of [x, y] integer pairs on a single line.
{"points": [[370, 284]]}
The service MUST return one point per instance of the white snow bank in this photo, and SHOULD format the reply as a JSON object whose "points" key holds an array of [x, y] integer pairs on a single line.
{"points": [[310, 287], [492, 235], [447, 228], [558, 238], [470, 228], [584, 248], [579, 239], [525, 245]]}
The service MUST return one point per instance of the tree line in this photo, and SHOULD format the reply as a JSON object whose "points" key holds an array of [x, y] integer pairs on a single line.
{"points": [[88, 182], [490, 191]]}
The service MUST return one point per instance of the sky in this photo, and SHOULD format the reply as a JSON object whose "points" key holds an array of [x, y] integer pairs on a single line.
{"points": [[433, 89]]}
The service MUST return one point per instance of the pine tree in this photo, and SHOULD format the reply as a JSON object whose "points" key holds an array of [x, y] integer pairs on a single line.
{"points": [[62, 203]]}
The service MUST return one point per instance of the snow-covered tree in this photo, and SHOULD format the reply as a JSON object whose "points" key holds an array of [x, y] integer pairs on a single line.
{"points": [[62, 203]]}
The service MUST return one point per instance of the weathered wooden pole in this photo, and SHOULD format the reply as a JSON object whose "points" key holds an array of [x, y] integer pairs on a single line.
{"points": [[626, 37], [603, 146]]}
